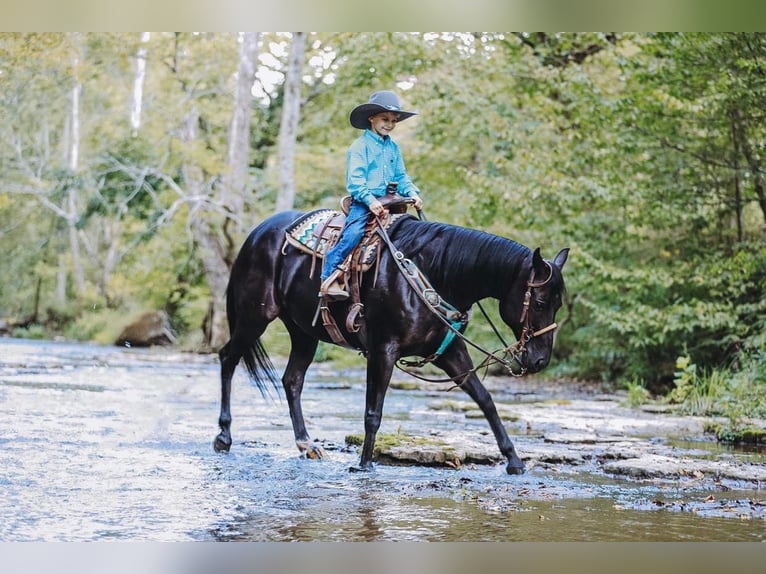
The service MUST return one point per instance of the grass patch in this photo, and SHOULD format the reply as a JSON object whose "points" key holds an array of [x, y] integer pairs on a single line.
{"points": [[638, 394], [470, 410], [726, 433], [405, 385], [454, 406]]}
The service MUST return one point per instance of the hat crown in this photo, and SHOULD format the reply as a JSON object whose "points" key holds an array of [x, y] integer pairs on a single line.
{"points": [[382, 101], [386, 99]]}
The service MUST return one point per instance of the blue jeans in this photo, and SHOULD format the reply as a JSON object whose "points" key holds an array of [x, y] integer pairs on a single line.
{"points": [[350, 236]]}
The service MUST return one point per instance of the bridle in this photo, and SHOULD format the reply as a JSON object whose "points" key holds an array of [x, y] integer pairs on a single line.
{"points": [[527, 332], [456, 321], [517, 350]]}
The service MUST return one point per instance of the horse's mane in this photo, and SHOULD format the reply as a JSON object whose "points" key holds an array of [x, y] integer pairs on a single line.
{"points": [[494, 259]]}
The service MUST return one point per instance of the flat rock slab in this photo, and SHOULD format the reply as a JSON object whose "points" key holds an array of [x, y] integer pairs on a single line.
{"points": [[597, 436], [659, 466], [451, 453]]}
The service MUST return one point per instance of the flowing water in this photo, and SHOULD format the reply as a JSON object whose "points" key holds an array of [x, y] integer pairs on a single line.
{"points": [[103, 443]]}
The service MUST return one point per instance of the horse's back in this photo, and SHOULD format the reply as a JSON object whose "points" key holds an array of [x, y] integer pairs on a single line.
{"points": [[264, 241], [256, 266], [271, 228]]}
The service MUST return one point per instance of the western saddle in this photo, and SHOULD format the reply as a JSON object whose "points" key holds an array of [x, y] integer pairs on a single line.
{"points": [[318, 231]]}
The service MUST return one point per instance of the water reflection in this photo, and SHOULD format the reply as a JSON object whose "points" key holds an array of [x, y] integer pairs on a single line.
{"points": [[409, 504], [374, 518]]}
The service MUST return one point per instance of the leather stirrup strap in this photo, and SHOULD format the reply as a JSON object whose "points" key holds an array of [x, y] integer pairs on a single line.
{"points": [[356, 310], [331, 326]]}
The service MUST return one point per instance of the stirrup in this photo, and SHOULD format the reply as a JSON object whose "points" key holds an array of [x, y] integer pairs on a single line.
{"points": [[331, 288]]}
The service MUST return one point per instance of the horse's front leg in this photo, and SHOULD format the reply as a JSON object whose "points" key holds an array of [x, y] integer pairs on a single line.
{"points": [[380, 366], [456, 363], [302, 351]]}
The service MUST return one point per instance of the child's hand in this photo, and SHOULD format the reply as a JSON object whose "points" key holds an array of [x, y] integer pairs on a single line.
{"points": [[377, 208], [418, 202]]}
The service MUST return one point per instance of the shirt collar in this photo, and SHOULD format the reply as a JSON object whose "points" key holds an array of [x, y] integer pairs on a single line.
{"points": [[376, 137]]}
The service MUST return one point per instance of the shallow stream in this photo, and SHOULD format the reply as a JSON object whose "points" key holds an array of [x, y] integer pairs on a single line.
{"points": [[103, 443]]}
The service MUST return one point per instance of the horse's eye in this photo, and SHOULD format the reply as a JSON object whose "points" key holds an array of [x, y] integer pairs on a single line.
{"points": [[539, 305]]}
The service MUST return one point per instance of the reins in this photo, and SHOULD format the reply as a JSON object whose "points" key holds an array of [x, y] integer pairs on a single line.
{"points": [[456, 320]]}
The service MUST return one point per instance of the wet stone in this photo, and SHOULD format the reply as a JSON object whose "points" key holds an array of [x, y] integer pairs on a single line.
{"points": [[443, 450], [150, 329], [652, 466]]}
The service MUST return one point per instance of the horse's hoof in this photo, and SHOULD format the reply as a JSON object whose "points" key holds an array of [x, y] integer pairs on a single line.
{"points": [[311, 450], [515, 467], [369, 467], [315, 452], [222, 444]]}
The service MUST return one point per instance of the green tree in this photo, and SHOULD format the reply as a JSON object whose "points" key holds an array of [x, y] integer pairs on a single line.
{"points": [[641, 152]]}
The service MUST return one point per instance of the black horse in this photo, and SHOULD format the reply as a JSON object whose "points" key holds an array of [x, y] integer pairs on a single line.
{"points": [[270, 280]]}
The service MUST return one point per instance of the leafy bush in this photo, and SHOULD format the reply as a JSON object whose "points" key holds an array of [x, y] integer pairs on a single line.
{"points": [[738, 395], [634, 321], [31, 332], [637, 394], [101, 326], [698, 393]]}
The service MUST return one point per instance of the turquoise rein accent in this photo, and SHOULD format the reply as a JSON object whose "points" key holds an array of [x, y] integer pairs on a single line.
{"points": [[456, 325]]}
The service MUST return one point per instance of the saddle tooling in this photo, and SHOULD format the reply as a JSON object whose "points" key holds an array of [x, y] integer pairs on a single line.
{"points": [[317, 232]]}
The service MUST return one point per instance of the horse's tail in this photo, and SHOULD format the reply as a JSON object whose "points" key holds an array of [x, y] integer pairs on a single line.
{"points": [[260, 368]]}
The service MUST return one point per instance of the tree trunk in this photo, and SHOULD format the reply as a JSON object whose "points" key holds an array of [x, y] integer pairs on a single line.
{"points": [[735, 134], [138, 85], [61, 275], [217, 275], [74, 153], [753, 162], [207, 221], [238, 157], [210, 249], [288, 129]]}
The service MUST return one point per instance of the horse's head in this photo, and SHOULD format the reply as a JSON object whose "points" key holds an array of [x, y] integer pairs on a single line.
{"points": [[529, 309]]}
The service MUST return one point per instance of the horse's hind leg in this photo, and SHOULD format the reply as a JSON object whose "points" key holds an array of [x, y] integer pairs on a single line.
{"points": [[302, 351], [229, 361], [230, 354]]}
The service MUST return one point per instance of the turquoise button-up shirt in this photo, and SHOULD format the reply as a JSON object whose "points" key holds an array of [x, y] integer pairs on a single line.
{"points": [[371, 163]]}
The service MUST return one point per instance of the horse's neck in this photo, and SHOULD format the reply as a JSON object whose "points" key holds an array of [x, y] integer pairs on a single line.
{"points": [[471, 266]]}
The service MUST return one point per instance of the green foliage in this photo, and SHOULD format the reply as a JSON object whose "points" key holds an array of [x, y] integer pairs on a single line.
{"points": [[101, 326], [746, 399], [643, 153], [696, 393], [737, 435], [637, 394], [119, 192], [32, 332], [638, 320], [738, 394]]}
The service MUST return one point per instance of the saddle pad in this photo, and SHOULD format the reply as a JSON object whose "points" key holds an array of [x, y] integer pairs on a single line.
{"points": [[312, 232], [317, 232]]}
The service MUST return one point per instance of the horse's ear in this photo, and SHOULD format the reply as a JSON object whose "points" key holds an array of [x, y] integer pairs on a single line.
{"points": [[538, 264], [561, 258]]}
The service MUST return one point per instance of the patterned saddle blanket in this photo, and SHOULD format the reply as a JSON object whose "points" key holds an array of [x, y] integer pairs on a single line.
{"points": [[318, 231]]}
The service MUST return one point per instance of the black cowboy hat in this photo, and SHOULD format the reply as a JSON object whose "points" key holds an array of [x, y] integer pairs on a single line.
{"points": [[383, 101]]}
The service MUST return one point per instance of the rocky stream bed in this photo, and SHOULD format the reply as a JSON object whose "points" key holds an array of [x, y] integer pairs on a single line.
{"points": [[106, 443]]}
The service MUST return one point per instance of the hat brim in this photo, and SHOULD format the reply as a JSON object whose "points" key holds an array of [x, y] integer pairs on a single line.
{"points": [[360, 114]]}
